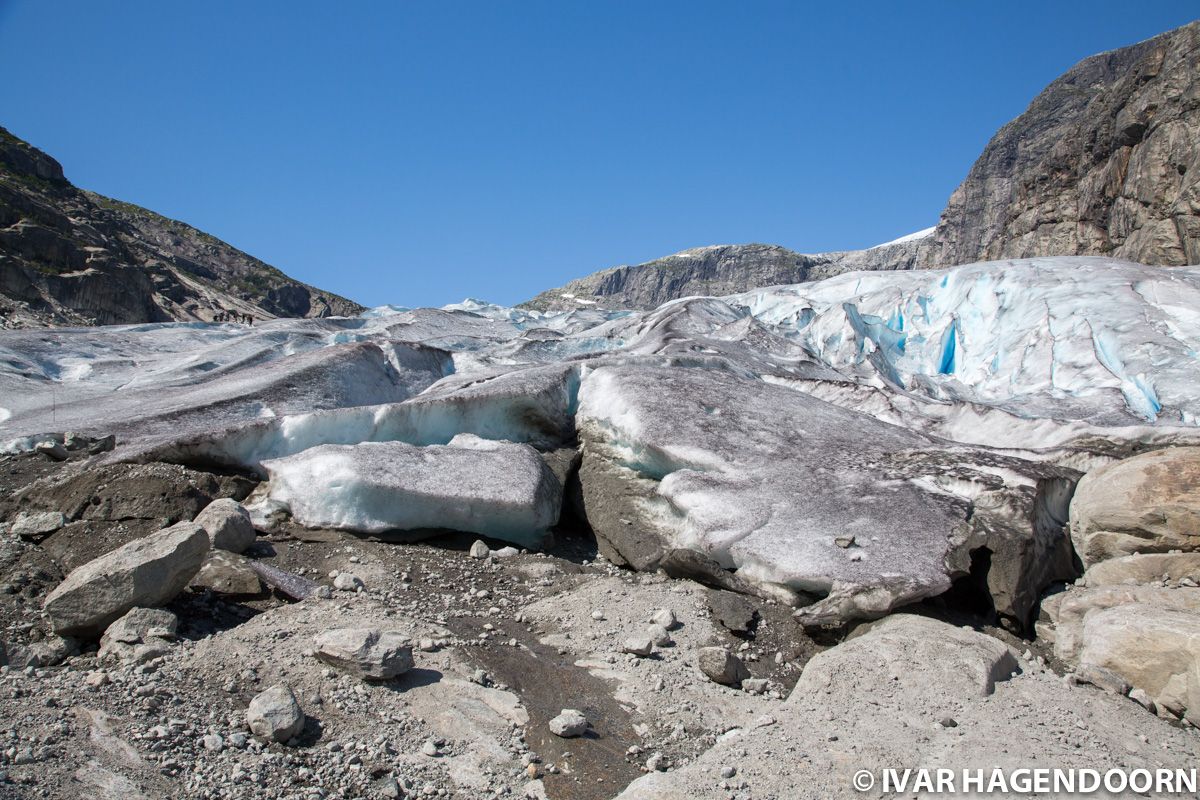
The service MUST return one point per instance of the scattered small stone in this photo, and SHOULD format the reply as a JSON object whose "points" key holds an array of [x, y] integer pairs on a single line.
{"points": [[665, 618], [1142, 698], [656, 763], [347, 582], [640, 646], [658, 635], [275, 714], [722, 666]]}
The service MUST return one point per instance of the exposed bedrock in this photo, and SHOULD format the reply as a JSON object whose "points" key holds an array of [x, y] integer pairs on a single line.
{"points": [[804, 499]]}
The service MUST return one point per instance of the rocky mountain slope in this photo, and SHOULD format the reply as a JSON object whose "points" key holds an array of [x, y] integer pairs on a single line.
{"points": [[1106, 161], [718, 270], [72, 257]]}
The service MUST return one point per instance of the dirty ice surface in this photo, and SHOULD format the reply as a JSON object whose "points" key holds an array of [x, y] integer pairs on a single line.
{"points": [[1052, 359]]}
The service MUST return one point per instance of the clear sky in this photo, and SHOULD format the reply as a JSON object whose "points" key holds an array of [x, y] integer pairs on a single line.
{"points": [[420, 152]]}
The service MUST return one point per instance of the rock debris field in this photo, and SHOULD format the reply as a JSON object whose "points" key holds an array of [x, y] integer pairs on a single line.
{"points": [[734, 548]]}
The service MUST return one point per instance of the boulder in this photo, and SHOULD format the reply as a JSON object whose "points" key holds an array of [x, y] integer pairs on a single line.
{"points": [[228, 525], [1069, 611], [227, 573], [1149, 503], [916, 653], [48, 652], [666, 618], [31, 524], [569, 724], [1154, 649], [275, 714], [721, 666], [145, 572], [365, 652], [1145, 568], [139, 636]]}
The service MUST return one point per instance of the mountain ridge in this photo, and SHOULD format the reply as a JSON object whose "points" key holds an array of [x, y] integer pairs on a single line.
{"points": [[69, 256]]}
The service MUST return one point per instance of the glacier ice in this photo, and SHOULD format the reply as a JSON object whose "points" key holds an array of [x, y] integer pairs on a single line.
{"points": [[926, 413], [495, 489], [765, 481], [1092, 339]]}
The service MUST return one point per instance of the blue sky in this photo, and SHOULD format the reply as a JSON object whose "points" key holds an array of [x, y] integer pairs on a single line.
{"points": [[419, 153]]}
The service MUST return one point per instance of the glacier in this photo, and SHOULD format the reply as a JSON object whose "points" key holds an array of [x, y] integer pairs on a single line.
{"points": [[491, 488], [752, 430]]}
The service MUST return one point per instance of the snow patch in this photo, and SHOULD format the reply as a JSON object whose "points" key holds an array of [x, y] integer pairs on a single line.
{"points": [[911, 237]]}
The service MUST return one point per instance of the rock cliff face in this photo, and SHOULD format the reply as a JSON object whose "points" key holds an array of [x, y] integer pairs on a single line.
{"points": [[1106, 161], [71, 257]]}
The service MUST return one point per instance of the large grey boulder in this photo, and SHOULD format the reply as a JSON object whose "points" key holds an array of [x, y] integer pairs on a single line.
{"points": [[1145, 568], [916, 653], [1149, 503], [772, 482], [497, 489], [365, 652], [915, 694], [1155, 649], [275, 714], [145, 572], [228, 525], [1069, 611]]}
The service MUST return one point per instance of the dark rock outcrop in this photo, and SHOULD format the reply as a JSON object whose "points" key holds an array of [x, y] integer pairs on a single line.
{"points": [[71, 257], [1104, 162]]}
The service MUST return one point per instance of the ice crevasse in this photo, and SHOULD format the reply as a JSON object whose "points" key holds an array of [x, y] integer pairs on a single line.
{"points": [[1043, 337]]}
